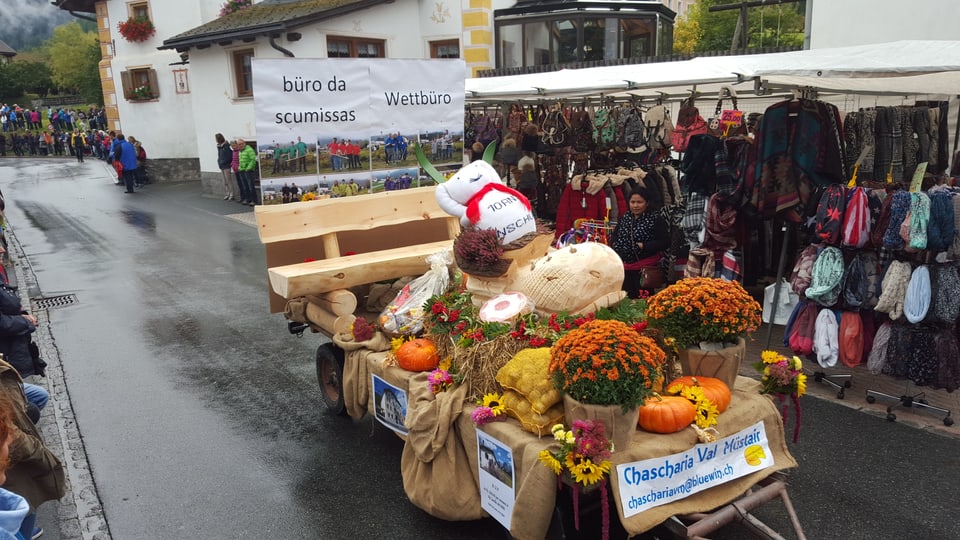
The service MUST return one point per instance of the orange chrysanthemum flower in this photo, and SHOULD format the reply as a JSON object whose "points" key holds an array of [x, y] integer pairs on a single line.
{"points": [[704, 309]]}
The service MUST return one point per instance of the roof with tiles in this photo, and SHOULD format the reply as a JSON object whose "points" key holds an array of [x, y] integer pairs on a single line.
{"points": [[6, 50], [269, 17]]}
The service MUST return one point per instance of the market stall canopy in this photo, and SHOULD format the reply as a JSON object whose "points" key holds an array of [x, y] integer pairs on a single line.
{"points": [[901, 67]]}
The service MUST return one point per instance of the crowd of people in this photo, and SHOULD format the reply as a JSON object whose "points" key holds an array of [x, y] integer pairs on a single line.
{"points": [[30, 474], [55, 132], [290, 158]]}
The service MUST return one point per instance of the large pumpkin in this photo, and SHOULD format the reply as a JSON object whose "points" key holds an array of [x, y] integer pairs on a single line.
{"points": [[418, 355], [666, 414], [714, 389]]}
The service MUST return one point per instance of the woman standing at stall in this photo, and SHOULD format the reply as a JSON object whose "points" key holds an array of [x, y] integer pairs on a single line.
{"points": [[640, 238]]}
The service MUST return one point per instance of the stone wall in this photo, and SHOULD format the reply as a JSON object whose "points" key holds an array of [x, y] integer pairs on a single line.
{"points": [[174, 170]]}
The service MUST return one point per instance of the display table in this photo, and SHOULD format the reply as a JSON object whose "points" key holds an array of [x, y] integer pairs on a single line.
{"points": [[443, 442]]}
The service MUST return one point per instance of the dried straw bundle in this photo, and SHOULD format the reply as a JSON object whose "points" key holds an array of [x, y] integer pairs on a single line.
{"points": [[479, 363]]}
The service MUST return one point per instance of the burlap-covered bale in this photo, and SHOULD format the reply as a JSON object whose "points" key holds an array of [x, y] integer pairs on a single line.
{"points": [[434, 460], [527, 373], [356, 376], [576, 279]]}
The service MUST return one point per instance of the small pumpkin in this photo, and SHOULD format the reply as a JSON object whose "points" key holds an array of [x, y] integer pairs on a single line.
{"points": [[666, 414], [714, 389], [418, 355]]}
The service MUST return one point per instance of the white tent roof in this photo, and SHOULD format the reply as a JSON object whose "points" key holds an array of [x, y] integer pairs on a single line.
{"points": [[901, 67]]}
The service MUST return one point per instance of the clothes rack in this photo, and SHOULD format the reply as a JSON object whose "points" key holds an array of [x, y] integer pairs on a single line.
{"points": [[917, 400]]}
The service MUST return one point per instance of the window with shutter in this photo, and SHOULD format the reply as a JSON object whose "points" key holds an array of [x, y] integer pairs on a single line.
{"points": [[140, 84], [243, 72]]}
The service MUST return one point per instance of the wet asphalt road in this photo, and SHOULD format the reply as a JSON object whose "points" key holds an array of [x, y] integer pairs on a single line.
{"points": [[201, 415], [199, 412]]}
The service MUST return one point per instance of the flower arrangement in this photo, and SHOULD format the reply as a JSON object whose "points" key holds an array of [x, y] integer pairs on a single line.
{"points": [[490, 408], [479, 252], [606, 362], [694, 310], [137, 29], [782, 377], [707, 411], [308, 196], [142, 92], [232, 6], [583, 454]]}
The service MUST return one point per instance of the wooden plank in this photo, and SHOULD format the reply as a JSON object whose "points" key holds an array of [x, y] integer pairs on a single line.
{"points": [[322, 318], [318, 277], [282, 222]]}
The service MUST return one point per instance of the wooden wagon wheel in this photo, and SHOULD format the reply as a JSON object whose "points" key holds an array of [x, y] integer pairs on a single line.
{"points": [[330, 376]]}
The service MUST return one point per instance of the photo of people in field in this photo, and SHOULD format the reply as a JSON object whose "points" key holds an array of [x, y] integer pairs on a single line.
{"points": [[280, 158], [395, 179], [342, 153]]}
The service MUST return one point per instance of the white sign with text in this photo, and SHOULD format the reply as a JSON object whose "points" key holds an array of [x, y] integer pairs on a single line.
{"points": [[497, 478], [654, 482]]}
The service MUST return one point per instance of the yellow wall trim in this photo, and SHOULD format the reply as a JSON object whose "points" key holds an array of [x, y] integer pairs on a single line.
{"points": [[474, 55], [481, 4], [481, 37], [476, 18]]}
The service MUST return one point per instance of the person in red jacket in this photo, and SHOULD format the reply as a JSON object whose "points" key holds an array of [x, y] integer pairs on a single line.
{"points": [[583, 198]]}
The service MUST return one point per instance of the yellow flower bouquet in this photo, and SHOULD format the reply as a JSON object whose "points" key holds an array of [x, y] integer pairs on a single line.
{"points": [[703, 309]]}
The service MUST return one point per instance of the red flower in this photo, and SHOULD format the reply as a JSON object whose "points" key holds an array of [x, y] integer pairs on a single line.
{"points": [[137, 29], [438, 308], [640, 326], [537, 341]]}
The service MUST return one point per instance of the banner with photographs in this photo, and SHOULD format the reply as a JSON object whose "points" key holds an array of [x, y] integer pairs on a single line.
{"points": [[345, 127]]}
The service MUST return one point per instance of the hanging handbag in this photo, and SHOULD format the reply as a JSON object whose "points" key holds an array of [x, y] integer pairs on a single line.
{"points": [[689, 123], [727, 122]]}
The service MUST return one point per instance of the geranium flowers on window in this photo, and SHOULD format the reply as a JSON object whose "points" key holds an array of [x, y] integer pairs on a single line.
{"points": [[137, 29]]}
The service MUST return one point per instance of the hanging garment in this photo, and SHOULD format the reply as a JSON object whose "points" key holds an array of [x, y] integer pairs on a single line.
{"points": [[826, 338], [802, 272], [948, 353], [879, 228], [945, 294], [889, 153], [899, 206], [788, 329], [894, 287], [695, 218], [720, 221], [804, 328], [871, 270], [910, 143], [798, 146], [877, 359], [922, 363], [700, 263], [916, 302], [867, 135], [699, 165], [583, 198], [830, 214], [875, 204], [919, 217], [855, 284], [851, 138], [869, 330], [856, 218], [851, 339], [827, 277], [899, 352], [954, 251], [940, 228]]}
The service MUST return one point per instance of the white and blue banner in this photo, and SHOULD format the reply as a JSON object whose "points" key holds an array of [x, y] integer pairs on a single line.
{"points": [[342, 127], [654, 482]]}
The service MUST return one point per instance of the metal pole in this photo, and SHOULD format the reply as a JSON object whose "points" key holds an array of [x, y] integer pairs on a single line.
{"points": [[776, 288]]}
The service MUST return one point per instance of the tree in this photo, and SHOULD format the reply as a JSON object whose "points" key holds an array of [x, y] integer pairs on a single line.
{"points": [[770, 26], [35, 77], [74, 60], [10, 85]]}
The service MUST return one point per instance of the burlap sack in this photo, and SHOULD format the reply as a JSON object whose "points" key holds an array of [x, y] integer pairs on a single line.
{"points": [[356, 376], [619, 426], [723, 364], [434, 459]]}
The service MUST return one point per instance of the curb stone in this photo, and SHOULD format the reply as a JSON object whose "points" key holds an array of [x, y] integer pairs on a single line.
{"points": [[80, 513]]}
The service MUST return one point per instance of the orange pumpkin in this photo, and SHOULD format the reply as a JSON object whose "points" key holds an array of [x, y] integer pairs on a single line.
{"points": [[666, 414], [714, 389], [418, 355]]}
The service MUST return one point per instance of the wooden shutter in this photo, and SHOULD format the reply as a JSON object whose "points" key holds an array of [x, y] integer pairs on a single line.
{"points": [[126, 81], [154, 85]]}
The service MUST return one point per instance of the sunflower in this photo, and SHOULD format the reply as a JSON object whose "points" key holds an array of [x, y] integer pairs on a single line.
{"points": [[801, 384], [494, 402], [693, 393], [547, 458], [769, 357], [587, 472], [707, 413]]}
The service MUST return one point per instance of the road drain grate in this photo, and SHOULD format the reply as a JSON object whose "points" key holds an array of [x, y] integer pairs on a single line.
{"points": [[54, 301]]}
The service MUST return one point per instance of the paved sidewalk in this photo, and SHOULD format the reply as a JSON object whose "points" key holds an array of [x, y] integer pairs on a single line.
{"points": [[78, 515]]}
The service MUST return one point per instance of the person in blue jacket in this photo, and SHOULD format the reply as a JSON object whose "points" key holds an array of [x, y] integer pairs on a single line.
{"points": [[127, 154]]}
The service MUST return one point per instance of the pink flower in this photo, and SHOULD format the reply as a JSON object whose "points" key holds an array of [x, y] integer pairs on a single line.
{"points": [[482, 416]]}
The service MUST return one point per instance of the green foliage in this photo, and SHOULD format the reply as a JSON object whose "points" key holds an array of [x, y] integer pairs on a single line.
{"points": [[74, 59], [770, 26]]}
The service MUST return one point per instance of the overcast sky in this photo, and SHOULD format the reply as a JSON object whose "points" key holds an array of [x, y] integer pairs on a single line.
{"points": [[25, 23]]}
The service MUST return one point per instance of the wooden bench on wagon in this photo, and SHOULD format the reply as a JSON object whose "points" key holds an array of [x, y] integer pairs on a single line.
{"points": [[348, 242]]}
